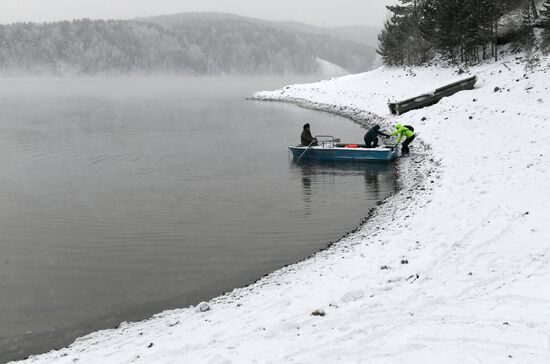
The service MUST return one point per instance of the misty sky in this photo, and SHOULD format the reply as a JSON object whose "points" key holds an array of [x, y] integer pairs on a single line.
{"points": [[317, 12]]}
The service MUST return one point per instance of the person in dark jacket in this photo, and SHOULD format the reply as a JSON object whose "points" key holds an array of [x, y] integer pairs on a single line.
{"points": [[306, 138], [371, 138]]}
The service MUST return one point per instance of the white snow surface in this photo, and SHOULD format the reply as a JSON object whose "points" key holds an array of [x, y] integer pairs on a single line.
{"points": [[328, 69], [471, 218]]}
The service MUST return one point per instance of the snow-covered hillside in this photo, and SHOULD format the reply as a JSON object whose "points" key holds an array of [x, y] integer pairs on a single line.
{"points": [[327, 69], [455, 268]]}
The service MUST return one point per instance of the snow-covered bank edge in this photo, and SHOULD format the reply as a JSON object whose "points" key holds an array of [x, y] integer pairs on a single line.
{"points": [[412, 175], [454, 268], [410, 180], [361, 117]]}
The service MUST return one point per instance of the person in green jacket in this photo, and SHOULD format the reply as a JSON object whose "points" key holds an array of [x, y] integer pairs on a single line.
{"points": [[407, 132]]}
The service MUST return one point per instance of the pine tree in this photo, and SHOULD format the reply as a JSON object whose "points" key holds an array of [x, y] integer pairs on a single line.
{"points": [[401, 41], [529, 13], [465, 31], [390, 42], [441, 24], [544, 22], [461, 30], [491, 11], [545, 12]]}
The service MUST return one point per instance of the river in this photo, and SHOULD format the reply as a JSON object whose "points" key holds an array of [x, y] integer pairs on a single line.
{"points": [[124, 197]]}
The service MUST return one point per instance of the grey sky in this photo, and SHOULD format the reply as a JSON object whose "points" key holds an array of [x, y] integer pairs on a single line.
{"points": [[317, 12]]}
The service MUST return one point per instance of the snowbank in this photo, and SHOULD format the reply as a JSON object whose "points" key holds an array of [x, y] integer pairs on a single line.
{"points": [[328, 69], [453, 269]]}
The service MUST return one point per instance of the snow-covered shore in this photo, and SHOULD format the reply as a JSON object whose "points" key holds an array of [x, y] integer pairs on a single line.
{"points": [[455, 268]]}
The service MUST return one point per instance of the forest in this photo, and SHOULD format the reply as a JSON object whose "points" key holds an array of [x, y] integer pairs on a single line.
{"points": [[461, 31], [199, 47]]}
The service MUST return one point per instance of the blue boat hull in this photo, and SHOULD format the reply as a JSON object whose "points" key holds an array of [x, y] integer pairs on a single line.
{"points": [[344, 154]]}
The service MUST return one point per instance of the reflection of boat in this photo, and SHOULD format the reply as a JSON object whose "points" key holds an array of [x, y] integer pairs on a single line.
{"points": [[316, 167], [317, 177], [329, 150]]}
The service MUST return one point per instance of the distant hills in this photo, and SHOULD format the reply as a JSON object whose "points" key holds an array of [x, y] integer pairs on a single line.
{"points": [[360, 34], [189, 43]]}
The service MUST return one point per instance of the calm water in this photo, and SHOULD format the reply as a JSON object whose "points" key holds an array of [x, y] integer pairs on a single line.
{"points": [[122, 198]]}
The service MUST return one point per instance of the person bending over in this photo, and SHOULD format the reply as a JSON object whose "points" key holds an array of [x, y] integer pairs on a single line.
{"points": [[407, 132], [371, 138], [307, 139]]}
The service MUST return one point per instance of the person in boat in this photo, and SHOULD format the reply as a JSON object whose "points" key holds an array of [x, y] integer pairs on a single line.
{"points": [[371, 138], [407, 132], [307, 139]]}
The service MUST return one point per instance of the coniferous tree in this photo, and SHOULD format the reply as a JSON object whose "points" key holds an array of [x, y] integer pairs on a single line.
{"points": [[545, 12], [544, 22], [528, 21], [491, 12], [401, 41], [443, 24], [529, 14], [459, 30], [390, 42]]}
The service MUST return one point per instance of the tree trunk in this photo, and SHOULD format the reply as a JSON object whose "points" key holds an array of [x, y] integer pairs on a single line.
{"points": [[495, 40], [535, 12]]}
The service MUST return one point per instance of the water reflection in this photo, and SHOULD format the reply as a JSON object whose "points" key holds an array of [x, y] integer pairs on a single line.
{"points": [[319, 177], [105, 197], [306, 188]]}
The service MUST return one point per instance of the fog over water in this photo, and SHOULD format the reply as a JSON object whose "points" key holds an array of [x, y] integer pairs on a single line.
{"points": [[125, 197]]}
